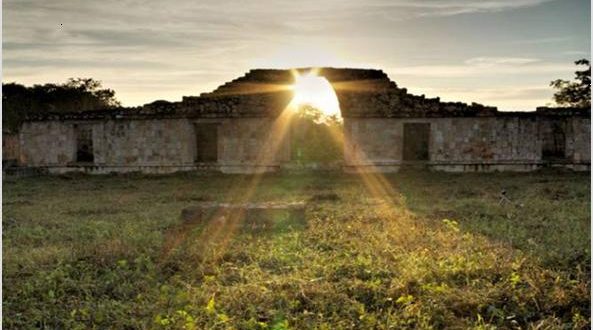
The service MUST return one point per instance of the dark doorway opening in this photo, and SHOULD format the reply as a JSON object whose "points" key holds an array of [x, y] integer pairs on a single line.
{"points": [[416, 141], [554, 142], [206, 142], [84, 144]]}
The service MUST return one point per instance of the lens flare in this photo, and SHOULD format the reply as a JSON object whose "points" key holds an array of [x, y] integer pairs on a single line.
{"points": [[316, 91]]}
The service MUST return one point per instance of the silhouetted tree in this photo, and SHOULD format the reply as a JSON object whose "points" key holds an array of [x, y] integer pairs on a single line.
{"points": [[316, 137], [76, 95], [574, 93]]}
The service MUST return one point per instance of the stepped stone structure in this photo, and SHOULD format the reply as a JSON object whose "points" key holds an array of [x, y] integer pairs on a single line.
{"points": [[239, 128]]}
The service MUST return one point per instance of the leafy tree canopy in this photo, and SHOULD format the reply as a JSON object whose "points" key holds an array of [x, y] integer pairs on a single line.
{"points": [[75, 95], [316, 137], [575, 93]]}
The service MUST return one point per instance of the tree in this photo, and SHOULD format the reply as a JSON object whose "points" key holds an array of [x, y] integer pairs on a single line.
{"points": [[316, 137], [574, 93], [75, 95], [16, 104]]}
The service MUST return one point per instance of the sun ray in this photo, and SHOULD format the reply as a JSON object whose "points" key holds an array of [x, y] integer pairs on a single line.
{"points": [[375, 182], [253, 88], [316, 91], [223, 225], [310, 89]]}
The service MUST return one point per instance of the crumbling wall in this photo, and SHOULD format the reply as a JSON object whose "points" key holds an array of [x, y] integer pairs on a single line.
{"points": [[253, 145], [464, 144], [485, 140], [153, 145], [579, 140], [369, 141], [46, 143], [10, 148], [254, 137], [360, 92], [143, 142]]}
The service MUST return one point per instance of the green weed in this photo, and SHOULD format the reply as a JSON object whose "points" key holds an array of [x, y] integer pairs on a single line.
{"points": [[440, 252]]}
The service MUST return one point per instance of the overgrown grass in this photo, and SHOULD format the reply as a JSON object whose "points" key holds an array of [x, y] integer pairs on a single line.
{"points": [[440, 252]]}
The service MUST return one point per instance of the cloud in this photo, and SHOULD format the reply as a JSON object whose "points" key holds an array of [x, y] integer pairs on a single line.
{"points": [[458, 7], [509, 83], [142, 47], [495, 61], [514, 92], [485, 67], [512, 97], [82, 63], [187, 23], [577, 53], [546, 40]]}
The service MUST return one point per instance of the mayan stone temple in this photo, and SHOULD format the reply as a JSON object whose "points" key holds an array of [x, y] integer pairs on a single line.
{"points": [[238, 128]]}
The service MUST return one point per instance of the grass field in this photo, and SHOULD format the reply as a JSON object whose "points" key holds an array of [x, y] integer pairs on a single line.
{"points": [[411, 250]]}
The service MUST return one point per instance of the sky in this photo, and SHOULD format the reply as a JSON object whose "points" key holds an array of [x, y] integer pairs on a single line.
{"points": [[502, 53]]}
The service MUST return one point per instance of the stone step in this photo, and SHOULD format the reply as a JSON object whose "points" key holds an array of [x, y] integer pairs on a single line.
{"points": [[246, 216], [19, 172]]}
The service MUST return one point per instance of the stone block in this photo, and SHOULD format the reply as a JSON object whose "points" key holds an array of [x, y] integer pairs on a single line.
{"points": [[266, 216]]}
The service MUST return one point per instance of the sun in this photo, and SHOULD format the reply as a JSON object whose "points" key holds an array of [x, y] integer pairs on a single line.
{"points": [[311, 89]]}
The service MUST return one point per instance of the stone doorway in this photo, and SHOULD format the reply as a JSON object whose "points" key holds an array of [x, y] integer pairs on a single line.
{"points": [[554, 141], [206, 135], [84, 143], [416, 141]]}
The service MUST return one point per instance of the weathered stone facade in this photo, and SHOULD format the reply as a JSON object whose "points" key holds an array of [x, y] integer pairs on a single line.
{"points": [[505, 143], [242, 122], [10, 148], [147, 145]]}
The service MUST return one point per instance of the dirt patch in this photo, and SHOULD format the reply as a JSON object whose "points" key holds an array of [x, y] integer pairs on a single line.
{"points": [[329, 196], [94, 211], [556, 193], [193, 198], [18, 202], [444, 214]]}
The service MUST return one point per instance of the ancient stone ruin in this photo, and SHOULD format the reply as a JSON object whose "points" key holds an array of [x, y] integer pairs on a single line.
{"points": [[249, 216], [237, 128]]}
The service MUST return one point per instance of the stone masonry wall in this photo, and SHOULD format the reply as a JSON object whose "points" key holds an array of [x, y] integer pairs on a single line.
{"points": [[485, 140], [47, 143], [160, 136], [463, 144], [579, 143], [143, 142], [155, 145], [10, 148], [252, 145]]}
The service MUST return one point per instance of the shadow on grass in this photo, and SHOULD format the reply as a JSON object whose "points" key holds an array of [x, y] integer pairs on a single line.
{"points": [[362, 260], [519, 209]]}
